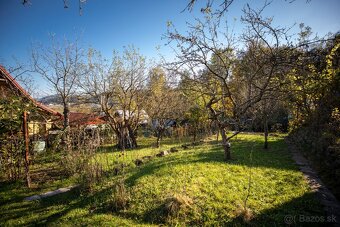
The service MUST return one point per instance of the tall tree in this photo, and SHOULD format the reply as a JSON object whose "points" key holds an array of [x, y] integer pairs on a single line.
{"points": [[211, 57], [118, 86], [60, 64]]}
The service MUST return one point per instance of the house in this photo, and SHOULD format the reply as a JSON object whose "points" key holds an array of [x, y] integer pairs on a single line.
{"points": [[39, 121]]}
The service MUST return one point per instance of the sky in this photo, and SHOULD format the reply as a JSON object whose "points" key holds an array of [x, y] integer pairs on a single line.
{"points": [[108, 25]]}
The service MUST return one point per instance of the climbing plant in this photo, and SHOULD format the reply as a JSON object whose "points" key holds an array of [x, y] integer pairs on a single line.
{"points": [[12, 137]]}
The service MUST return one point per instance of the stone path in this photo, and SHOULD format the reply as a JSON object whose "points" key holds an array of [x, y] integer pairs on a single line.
{"points": [[50, 193], [325, 196]]}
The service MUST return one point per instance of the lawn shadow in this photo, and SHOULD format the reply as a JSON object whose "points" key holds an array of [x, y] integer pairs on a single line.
{"points": [[8, 186], [301, 211], [70, 200], [17, 209], [36, 207], [96, 203], [292, 213]]}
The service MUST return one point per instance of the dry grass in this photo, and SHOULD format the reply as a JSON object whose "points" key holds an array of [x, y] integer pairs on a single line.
{"points": [[176, 205], [244, 213], [120, 198]]}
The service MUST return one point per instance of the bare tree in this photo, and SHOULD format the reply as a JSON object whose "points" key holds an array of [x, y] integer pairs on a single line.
{"points": [[21, 73], [118, 86], [212, 58], [222, 6], [61, 65]]}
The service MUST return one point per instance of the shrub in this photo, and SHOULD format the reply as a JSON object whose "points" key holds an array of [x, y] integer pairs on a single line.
{"points": [[90, 175]]}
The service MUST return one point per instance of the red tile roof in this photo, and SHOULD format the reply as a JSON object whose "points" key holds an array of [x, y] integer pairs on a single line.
{"points": [[24, 93], [77, 118]]}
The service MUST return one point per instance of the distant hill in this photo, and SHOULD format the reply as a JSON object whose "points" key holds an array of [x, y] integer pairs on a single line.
{"points": [[55, 99], [77, 104], [50, 99]]}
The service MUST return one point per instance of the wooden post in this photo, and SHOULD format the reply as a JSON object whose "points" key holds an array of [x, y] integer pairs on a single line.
{"points": [[26, 137]]}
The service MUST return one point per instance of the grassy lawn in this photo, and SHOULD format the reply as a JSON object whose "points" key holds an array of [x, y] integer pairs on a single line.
{"points": [[212, 192]]}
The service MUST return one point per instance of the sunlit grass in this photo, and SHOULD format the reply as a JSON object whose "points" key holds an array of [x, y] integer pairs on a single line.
{"points": [[216, 189]]}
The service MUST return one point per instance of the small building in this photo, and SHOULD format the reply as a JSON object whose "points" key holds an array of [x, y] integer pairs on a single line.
{"points": [[41, 119]]}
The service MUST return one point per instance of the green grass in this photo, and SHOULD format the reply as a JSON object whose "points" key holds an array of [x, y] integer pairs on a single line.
{"points": [[216, 189]]}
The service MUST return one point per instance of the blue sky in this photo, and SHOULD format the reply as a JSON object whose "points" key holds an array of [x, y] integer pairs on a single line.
{"points": [[106, 24]]}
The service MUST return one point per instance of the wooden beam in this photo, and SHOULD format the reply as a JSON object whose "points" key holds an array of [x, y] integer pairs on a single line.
{"points": [[26, 137]]}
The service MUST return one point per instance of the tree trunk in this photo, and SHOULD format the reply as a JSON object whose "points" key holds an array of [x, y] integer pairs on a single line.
{"points": [[218, 133], [121, 139], [158, 143], [66, 114], [195, 133], [225, 144], [133, 137], [126, 139], [159, 137], [66, 127], [265, 133]]}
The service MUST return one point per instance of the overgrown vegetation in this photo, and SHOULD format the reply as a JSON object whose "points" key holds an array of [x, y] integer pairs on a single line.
{"points": [[12, 144], [315, 127]]}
